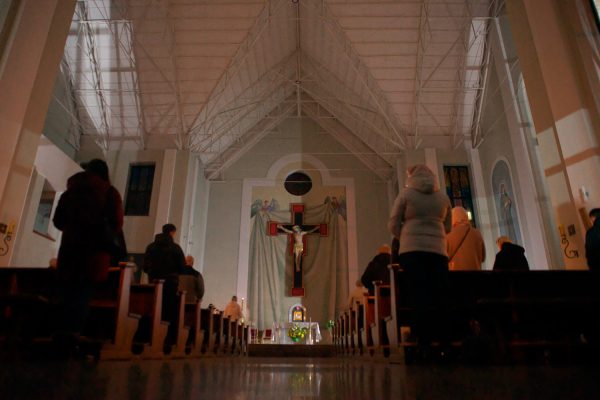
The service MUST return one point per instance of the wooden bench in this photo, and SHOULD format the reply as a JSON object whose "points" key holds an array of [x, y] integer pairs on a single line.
{"points": [[529, 316], [110, 317], [368, 318], [193, 319], [27, 306], [146, 301], [208, 328], [382, 312]]}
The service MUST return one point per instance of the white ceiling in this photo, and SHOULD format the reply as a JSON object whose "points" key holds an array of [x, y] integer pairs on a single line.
{"points": [[215, 76]]}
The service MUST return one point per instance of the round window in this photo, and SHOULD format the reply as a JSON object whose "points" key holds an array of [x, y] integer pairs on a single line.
{"points": [[298, 183]]}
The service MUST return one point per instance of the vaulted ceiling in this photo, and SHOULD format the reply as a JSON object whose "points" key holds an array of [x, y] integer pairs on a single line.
{"points": [[215, 76]]}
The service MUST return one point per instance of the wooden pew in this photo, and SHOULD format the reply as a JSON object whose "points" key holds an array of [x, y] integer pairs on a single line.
{"points": [[368, 319], [531, 316], [382, 311], [193, 320], [218, 322], [146, 301], [182, 330], [208, 327], [27, 305], [358, 325], [192, 312], [109, 311]]}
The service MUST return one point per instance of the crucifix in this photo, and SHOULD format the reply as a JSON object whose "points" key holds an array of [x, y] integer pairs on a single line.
{"points": [[297, 232]]}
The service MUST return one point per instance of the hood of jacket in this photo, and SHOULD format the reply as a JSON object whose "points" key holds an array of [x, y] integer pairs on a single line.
{"points": [[512, 248], [421, 179], [163, 239], [459, 216]]}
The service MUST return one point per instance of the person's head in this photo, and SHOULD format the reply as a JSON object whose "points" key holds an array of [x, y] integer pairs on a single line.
{"points": [[296, 228], [421, 178], [594, 214], [384, 249], [234, 298], [97, 167], [169, 229], [459, 216], [501, 240], [189, 261]]}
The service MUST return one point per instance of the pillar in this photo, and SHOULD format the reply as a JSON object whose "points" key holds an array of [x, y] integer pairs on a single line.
{"points": [[29, 66], [563, 113]]}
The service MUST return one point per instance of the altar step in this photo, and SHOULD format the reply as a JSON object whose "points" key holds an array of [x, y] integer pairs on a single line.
{"points": [[291, 350]]}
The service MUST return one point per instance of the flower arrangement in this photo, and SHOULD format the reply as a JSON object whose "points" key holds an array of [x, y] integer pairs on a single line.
{"points": [[330, 324], [297, 333]]}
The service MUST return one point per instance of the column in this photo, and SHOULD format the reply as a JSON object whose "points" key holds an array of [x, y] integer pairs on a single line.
{"points": [[29, 66], [562, 111]]}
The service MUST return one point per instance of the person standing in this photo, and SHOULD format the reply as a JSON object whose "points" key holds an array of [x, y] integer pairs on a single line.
{"points": [[421, 218], [592, 241], [89, 210], [233, 310], [466, 250], [165, 260]]}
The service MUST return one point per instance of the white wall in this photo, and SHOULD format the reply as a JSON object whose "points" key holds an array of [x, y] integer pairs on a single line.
{"points": [[293, 136], [51, 164]]}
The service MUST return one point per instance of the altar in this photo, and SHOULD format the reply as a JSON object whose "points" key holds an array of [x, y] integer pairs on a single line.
{"points": [[297, 330], [312, 333]]}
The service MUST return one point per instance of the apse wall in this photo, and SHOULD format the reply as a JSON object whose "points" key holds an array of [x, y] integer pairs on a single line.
{"points": [[224, 210]]}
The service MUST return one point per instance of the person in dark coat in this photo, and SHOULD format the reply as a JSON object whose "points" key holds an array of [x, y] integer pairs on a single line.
{"points": [[89, 208], [511, 257], [194, 283], [592, 241], [377, 270], [165, 260]]}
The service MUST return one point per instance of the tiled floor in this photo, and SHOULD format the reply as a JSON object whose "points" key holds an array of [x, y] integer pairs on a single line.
{"points": [[252, 378]]}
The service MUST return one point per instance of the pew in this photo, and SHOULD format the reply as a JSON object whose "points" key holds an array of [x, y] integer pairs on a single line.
{"points": [[192, 313], [27, 306], [356, 330], [382, 311], [368, 318], [521, 316], [109, 312], [32, 298], [182, 330], [208, 327], [146, 301], [193, 320]]}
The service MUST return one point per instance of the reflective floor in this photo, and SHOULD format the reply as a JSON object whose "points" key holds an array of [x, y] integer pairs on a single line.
{"points": [[251, 378]]}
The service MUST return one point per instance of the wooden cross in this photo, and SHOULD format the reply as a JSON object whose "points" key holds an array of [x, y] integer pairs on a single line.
{"points": [[275, 228]]}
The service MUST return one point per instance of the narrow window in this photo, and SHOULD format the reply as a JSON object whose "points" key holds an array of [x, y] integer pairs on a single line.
{"points": [[458, 188], [139, 189]]}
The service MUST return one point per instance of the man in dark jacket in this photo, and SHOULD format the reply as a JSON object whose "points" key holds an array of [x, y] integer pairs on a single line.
{"points": [[377, 270], [165, 260], [592, 241], [510, 257]]}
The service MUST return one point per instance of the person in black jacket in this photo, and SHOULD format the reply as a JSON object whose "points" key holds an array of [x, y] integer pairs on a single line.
{"points": [[592, 241], [377, 270], [511, 257], [165, 260]]}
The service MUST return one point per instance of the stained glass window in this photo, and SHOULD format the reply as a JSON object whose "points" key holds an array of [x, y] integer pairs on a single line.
{"points": [[458, 188]]}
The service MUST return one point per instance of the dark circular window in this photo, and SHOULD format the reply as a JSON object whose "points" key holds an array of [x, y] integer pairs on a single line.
{"points": [[298, 183]]}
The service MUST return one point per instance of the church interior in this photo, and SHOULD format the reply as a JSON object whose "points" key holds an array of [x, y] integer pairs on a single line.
{"points": [[275, 135]]}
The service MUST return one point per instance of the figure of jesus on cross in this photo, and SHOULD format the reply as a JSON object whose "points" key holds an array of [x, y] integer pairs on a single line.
{"points": [[298, 235], [297, 231]]}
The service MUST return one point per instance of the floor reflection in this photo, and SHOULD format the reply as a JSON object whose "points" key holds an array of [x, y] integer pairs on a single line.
{"points": [[249, 379]]}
